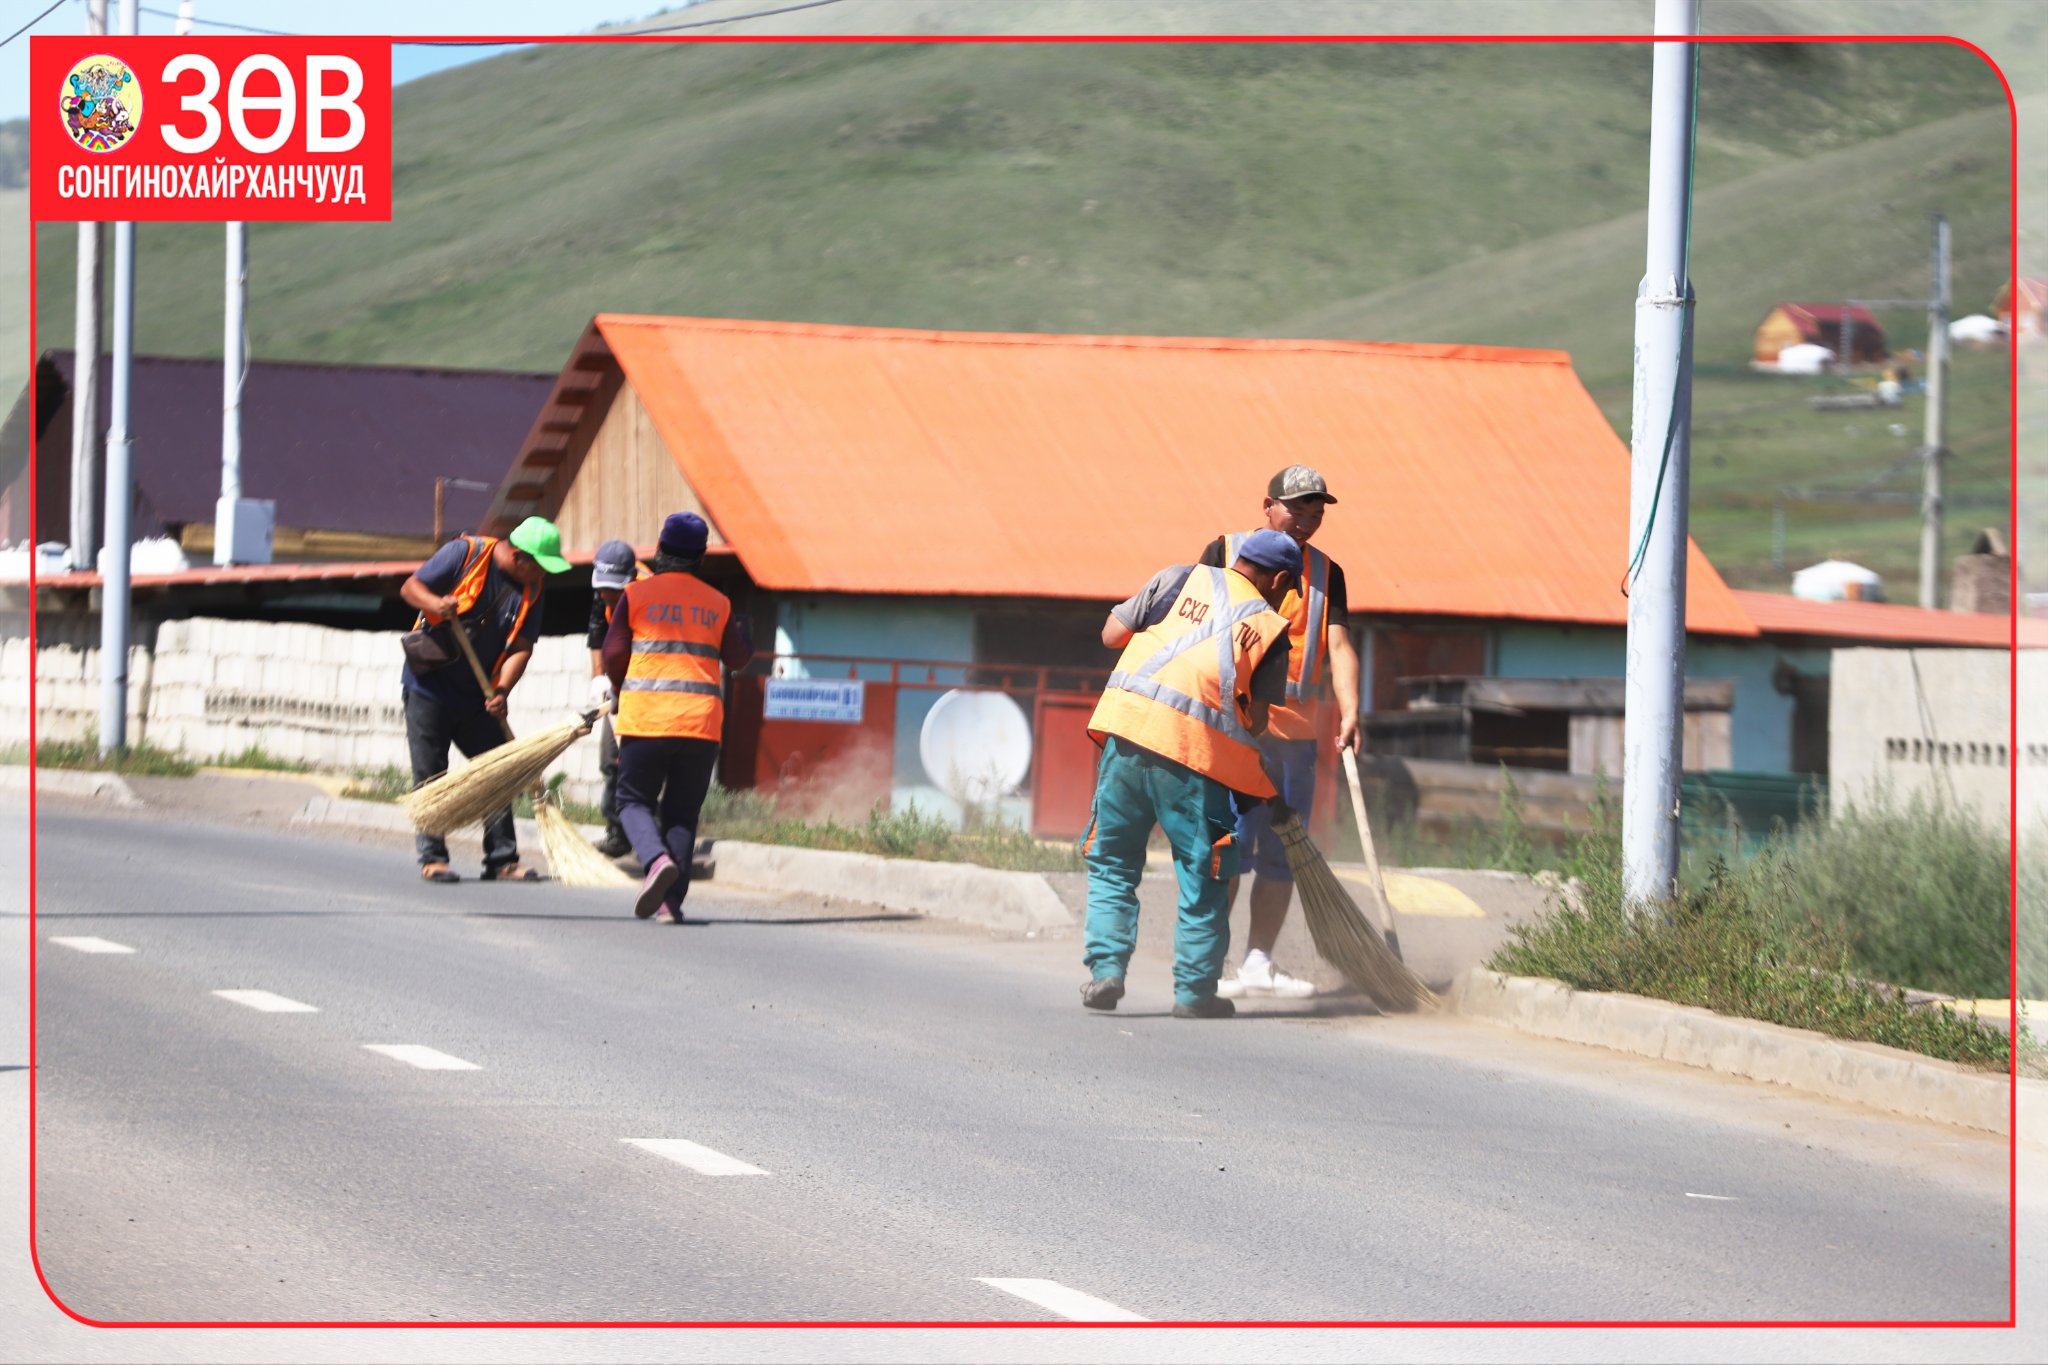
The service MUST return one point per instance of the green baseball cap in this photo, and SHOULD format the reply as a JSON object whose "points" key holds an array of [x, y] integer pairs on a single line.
{"points": [[539, 538]]}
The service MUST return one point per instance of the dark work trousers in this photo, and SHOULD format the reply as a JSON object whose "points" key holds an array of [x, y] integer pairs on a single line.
{"points": [[608, 769], [662, 783], [430, 727]]}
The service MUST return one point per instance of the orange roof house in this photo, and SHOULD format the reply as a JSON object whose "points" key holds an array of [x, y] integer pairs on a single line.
{"points": [[1473, 481], [2024, 321], [1820, 324]]}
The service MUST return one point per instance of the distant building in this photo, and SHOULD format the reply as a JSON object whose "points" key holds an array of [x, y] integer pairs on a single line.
{"points": [[1846, 329], [2021, 309], [1981, 581]]}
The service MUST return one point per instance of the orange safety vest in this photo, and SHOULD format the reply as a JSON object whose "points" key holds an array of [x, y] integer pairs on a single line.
{"points": [[672, 683], [1307, 609], [1179, 689], [470, 587]]}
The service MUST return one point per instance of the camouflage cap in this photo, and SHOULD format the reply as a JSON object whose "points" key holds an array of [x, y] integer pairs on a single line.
{"points": [[1298, 481]]}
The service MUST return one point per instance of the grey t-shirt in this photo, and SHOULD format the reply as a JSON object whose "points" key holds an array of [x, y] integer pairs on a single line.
{"points": [[1149, 605]]}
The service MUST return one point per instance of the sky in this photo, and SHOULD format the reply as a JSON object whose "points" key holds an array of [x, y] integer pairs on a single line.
{"points": [[326, 16]]}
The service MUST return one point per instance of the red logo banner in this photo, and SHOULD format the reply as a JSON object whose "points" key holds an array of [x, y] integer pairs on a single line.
{"points": [[210, 129]]}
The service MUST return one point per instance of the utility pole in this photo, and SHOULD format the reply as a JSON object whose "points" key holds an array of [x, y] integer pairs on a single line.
{"points": [[1934, 447], [85, 368], [1659, 478], [227, 521], [120, 484]]}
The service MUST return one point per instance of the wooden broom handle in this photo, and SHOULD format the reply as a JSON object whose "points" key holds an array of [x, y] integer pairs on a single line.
{"points": [[476, 666], [1372, 858]]}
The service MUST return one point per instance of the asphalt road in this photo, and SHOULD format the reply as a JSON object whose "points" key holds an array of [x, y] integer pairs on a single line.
{"points": [[928, 1110]]}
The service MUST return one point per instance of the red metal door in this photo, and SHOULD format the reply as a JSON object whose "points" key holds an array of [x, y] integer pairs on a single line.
{"points": [[1063, 764]]}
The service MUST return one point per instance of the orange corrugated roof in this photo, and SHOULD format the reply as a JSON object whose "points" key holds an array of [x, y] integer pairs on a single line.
{"points": [[1473, 481], [1777, 613]]}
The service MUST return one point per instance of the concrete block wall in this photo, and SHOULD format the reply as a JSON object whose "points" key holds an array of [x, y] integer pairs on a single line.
{"points": [[330, 698], [1935, 723]]}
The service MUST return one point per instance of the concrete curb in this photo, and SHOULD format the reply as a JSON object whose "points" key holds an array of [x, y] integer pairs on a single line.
{"points": [[1862, 1073], [69, 782], [1020, 902]]}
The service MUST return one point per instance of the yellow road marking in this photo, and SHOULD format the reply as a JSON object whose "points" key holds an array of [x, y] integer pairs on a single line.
{"points": [[1422, 896]]}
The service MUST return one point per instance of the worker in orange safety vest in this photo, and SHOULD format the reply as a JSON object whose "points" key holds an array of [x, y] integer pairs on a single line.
{"points": [[669, 637], [1204, 657]]}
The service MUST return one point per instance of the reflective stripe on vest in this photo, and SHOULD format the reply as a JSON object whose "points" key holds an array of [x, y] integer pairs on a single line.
{"points": [[1172, 697], [476, 566], [671, 689], [1307, 609]]}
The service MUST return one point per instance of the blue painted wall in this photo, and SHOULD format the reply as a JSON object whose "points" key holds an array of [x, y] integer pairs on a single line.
{"points": [[1761, 722], [888, 628]]}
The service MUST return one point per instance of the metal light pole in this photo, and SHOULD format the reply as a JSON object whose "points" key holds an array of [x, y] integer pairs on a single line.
{"points": [[85, 369], [1659, 476], [1934, 444], [120, 485], [234, 363]]}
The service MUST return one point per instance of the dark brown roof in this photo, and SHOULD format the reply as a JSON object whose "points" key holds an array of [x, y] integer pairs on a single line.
{"points": [[337, 447]]}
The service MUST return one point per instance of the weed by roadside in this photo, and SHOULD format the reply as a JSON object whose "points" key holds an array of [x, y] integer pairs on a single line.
{"points": [[137, 760], [388, 783], [259, 758], [1746, 940], [908, 833]]}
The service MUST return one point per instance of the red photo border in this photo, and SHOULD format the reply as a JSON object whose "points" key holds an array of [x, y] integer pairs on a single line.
{"points": [[2012, 1189]]}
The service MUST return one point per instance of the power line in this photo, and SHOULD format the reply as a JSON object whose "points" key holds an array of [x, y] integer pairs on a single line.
{"points": [[734, 18], [31, 23], [219, 23]]}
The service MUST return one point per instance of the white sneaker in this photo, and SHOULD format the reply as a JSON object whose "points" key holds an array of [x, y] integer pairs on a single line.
{"points": [[1264, 979]]}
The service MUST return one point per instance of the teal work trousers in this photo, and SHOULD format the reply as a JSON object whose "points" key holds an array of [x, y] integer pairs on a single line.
{"points": [[1134, 790]]}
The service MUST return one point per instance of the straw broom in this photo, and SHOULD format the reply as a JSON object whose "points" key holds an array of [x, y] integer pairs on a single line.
{"points": [[490, 781], [1342, 934]]}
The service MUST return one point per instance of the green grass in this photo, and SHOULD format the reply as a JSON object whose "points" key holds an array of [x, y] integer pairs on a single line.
{"points": [[909, 833], [389, 783], [137, 760], [261, 759], [1805, 934]]}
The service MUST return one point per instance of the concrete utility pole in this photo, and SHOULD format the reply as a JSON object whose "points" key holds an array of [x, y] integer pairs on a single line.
{"points": [[120, 485], [1934, 447], [1659, 476], [234, 363], [85, 369]]}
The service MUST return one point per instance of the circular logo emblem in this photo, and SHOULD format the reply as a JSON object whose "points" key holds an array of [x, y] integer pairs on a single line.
{"points": [[102, 104]]}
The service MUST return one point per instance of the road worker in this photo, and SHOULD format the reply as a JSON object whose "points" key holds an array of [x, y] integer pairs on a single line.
{"points": [[613, 568], [1204, 655], [668, 637], [492, 586], [1318, 627]]}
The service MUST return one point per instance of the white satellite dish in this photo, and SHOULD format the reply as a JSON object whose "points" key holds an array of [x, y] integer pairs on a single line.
{"points": [[976, 746]]}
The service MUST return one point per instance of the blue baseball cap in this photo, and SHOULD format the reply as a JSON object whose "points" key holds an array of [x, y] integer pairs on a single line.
{"points": [[684, 535], [613, 566], [1269, 549]]}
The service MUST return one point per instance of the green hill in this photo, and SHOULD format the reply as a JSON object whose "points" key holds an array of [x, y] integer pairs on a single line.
{"points": [[1180, 189]]}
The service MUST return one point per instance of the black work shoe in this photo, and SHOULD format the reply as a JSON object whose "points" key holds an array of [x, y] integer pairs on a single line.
{"points": [[1215, 1007], [1103, 992], [615, 844]]}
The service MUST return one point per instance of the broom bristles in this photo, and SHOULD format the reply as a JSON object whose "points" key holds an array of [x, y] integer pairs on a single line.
{"points": [[570, 857], [487, 784], [1343, 935]]}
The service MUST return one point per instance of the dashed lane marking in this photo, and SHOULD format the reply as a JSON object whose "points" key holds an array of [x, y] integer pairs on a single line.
{"points": [[267, 1002], [88, 944], [1061, 1301], [697, 1157], [425, 1058]]}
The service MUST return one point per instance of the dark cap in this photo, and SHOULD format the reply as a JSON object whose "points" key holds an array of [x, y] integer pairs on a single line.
{"points": [[614, 565], [684, 535], [1298, 481], [1269, 549]]}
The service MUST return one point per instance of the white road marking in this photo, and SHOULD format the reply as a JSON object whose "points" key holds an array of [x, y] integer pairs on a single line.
{"points": [[698, 1158], [268, 1003], [88, 944], [425, 1058], [1717, 1198], [1056, 1298]]}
